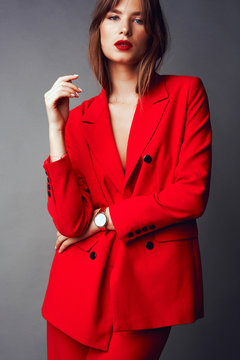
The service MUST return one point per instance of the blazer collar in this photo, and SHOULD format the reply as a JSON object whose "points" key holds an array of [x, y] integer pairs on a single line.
{"points": [[99, 135]]}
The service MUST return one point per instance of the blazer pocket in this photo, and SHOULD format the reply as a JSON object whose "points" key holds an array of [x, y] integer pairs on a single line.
{"points": [[160, 240]]}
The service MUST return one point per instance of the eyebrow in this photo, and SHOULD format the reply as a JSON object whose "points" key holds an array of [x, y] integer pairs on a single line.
{"points": [[119, 12]]}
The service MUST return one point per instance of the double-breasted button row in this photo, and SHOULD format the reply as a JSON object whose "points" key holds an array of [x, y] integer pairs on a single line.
{"points": [[147, 158], [149, 245], [93, 255], [144, 229]]}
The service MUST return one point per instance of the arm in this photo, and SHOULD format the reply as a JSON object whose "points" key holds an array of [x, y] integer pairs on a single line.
{"points": [[187, 197], [69, 201]]}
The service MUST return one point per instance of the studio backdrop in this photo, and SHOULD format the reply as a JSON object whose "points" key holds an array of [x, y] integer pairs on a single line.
{"points": [[42, 40]]}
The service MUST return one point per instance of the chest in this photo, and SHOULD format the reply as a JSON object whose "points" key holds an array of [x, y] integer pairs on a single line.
{"points": [[121, 117]]}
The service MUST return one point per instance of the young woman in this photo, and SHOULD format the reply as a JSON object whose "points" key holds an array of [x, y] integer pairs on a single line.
{"points": [[127, 176]]}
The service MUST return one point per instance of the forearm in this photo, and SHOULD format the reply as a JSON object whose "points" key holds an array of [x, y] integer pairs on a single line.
{"points": [[56, 143]]}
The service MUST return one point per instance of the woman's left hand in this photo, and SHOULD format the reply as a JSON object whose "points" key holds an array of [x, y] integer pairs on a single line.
{"points": [[63, 242]]}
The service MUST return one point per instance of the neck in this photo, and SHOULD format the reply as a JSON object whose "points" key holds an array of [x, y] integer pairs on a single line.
{"points": [[124, 81]]}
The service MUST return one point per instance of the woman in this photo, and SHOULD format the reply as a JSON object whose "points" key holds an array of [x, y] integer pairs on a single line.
{"points": [[127, 176]]}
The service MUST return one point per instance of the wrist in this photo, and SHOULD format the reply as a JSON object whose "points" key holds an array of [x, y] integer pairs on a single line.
{"points": [[100, 218], [57, 157], [103, 220], [56, 129], [110, 225]]}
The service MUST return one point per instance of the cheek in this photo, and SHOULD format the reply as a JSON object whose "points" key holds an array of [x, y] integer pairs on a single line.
{"points": [[105, 32]]}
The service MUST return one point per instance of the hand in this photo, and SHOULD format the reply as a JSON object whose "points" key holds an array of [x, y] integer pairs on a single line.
{"points": [[57, 100], [64, 242]]}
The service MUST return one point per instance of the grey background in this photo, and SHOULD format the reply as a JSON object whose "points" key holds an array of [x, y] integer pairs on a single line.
{"points": [[41, 40]]}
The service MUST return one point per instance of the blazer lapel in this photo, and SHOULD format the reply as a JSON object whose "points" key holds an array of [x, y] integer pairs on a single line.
{"points": [[99, 134], [144, 123]]}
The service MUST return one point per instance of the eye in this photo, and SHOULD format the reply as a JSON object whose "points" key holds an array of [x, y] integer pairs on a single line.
{"points": [[111, 17], [115, 17], [139, 21]]}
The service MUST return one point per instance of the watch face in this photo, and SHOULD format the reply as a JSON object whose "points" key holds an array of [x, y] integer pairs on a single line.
{"points": [[100, 219]]}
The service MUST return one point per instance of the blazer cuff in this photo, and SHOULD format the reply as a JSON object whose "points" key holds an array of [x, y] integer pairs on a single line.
{"points": [[128, 217], [58, 164]]}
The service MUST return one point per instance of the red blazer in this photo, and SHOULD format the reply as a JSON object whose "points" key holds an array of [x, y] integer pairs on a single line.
{"points": [[147, 273]]}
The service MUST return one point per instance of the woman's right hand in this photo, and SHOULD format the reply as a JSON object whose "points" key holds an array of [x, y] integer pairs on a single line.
{"points": [[57, 100]]}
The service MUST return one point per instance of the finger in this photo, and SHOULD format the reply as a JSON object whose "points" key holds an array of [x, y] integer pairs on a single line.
{"points": [[56, 92], [66, 244], [66, 78], [59, 241], [65, 84], [63, 89], [61, 237], [60, 93]]}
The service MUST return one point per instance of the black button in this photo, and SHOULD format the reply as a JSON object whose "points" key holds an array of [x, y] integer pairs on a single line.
{"points": [[152, 226], [49, 187], [130, 234], [47, 179], [93, 255], [147, 158], [49, 194], [149, 245], [138, 231], [144, 228]]}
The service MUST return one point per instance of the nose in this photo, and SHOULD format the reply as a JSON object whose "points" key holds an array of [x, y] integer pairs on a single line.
{"points": [[125, 28]]}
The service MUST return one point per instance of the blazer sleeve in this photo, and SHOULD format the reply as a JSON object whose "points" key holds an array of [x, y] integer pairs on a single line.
{"points": [[69, 201], [186, 198]]}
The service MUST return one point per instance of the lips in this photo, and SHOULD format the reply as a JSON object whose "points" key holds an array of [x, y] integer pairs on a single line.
{"points": [[123, 44]]}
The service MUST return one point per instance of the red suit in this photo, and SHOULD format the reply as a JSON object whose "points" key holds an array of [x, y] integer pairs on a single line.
{"points": [[147, 273]]}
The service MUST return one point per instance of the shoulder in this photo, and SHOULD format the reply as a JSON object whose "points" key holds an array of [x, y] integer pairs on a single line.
{"points": [[184, 86], [182, 81]]}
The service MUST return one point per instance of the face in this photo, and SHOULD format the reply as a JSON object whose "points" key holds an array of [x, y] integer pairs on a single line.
{"points": [[124, 22]]}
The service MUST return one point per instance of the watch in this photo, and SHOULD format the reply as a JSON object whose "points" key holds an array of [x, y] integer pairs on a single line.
{"points": [[100, 219]]}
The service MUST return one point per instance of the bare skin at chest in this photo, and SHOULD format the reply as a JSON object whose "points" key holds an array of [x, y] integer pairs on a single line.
{"points": [[121, 116]]}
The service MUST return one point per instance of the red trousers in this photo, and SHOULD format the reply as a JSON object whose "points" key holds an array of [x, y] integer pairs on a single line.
{"points": [[128, 345]]}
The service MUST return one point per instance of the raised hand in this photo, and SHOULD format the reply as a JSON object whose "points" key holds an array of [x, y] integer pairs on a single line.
{"points": [[57, 100]]}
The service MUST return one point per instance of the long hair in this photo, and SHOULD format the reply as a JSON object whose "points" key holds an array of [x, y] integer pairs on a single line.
{"points": [[155, 25]]}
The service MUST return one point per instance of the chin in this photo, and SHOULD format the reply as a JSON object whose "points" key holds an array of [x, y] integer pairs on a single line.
{"points": [[123, 60]]}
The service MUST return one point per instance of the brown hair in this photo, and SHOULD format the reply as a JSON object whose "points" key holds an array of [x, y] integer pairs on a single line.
{"points": [[155, 25]]}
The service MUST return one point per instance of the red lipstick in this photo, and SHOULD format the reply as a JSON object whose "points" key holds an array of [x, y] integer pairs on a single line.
{"points": [[123, 45]]}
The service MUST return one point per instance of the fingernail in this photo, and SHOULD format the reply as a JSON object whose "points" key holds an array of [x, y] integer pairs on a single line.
{"points": [[59, 250], [75, 75], [80, 89]]}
